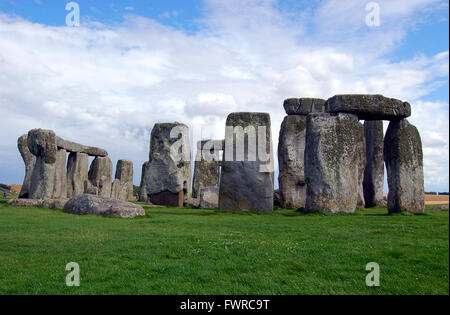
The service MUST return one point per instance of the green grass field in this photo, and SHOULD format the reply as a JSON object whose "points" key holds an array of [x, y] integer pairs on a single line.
{"points": [[191, 251]]}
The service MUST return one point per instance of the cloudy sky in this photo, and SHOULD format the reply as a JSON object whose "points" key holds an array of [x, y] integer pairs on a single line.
{"points": [[131, 64]]}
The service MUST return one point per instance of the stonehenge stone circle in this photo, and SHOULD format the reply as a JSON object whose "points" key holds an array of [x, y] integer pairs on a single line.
{"points": [[369, 107], [143, 186], [29, 160], [122, 187], [90, 204], [77, 174], [332, 162], [207, 165], [246, 182], [169, 171], [303, 106], [374, 172], [404, 163], [44, 155], [42, 144], [100, 175]]}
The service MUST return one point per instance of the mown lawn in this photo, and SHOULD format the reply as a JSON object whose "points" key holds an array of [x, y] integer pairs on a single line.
{"points": [[191, 251]]}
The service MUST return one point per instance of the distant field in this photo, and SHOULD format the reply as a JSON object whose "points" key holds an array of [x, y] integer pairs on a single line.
{"points": [[192, 251], [436, 200]]}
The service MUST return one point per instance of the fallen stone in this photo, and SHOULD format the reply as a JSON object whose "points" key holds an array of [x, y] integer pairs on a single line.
{"points": [[291, 161], [247, 170], [374, 172], [25, 202], [122, 188], [90, 204], [303, 106], [169, 172], [77, 174], [209, 197], [100, 176], [440, 208], [369, 107], [79, 148], [404, 163], [55, 203], [30, 160], [332, 160]]}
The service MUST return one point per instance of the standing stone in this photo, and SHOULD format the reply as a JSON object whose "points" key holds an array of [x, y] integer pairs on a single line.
{"points": [[207, 166], [29, 160], [209, 197], [361, 167], [169, 172], [42, 144], [100, 176], [291, 161], [143, 186], [404, 163], [60, 187], [246, 182], [77, 174], [122, 188], [374, 172], [332, 162]]}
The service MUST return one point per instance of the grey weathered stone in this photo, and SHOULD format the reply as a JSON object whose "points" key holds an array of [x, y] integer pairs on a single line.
{"points": [[143, 186], [291, 161], [54, 203], [332, 162], [369, 107], [169, 175], [303, 106], [374, 172], [207, 165], [90, 204], [79, 148], [440, 208], [42, 144], [404, 163], [122, 187], [77, 174], [25, 202], [29, 160], [60, 186], [246, 182], [361, 167], [276, 198], [100, 175], [209, 197]]}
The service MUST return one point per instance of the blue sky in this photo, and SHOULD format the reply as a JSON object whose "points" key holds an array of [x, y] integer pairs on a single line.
{"points": [[132, 63]]}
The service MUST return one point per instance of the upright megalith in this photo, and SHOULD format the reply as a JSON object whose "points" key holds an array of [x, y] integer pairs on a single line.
{"points": [[333, 162], [291, 150], [169, 171], [122, 187], [42, 144], [143, 186], [374, 171], [404, 163], [60, 186], [207, 165], [30, 160], [246, 182], [100, 175], [77, 174], [291, 162]]}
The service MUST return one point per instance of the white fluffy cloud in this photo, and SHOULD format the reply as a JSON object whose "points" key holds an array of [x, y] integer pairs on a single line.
{"points": [[107, 85]]}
